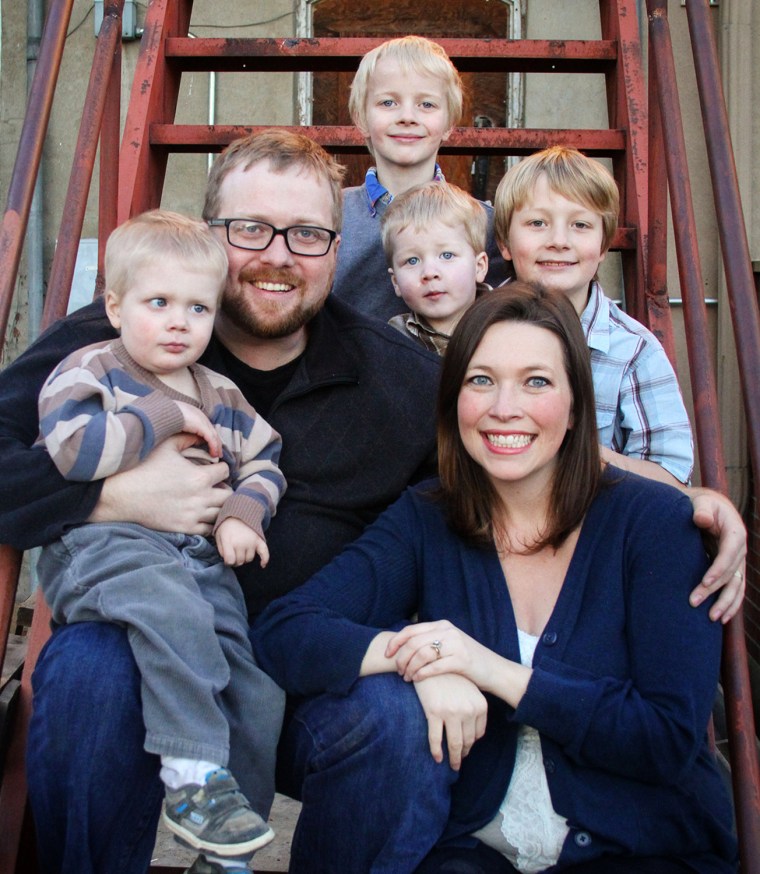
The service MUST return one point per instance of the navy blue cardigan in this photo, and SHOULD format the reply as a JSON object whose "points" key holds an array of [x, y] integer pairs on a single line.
{"points": [[624, 674]]}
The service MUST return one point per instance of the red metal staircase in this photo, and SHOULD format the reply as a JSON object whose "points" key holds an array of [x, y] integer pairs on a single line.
{"points": [[132, 180]]}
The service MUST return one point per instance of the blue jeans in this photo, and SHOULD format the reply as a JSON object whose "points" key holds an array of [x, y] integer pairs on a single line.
{"points": [[373, 798], [95, 792]]}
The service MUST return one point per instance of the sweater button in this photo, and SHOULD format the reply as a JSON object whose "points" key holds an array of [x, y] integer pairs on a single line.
{"points": [[583, 839], [550, 638], [549, 766]]}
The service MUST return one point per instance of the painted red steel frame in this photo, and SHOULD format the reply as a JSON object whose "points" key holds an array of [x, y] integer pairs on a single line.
{"points": [[29, 154], [99, 87], [740, 721], [731, 228], [627, 109], [746, 323], [95, 118], [657, 315]]}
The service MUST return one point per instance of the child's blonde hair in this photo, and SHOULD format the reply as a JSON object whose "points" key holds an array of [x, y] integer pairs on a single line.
{"points": [[156, 235], [434, 202], [569, 173], [412, 54]]}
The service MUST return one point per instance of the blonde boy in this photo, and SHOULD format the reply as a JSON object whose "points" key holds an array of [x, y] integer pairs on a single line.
{"points": [[102, 410], [434, 237], [406, 98], [556, 215]]}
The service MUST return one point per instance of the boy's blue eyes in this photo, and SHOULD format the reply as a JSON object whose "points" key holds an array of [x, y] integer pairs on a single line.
{"points": [[159, 303], [541, 223], [413, 261]]}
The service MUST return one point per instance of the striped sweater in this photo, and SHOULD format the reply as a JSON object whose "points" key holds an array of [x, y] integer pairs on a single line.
{"points": [[101, 413]]}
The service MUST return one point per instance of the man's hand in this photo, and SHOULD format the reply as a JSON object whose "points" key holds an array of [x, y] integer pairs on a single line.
{"points": [[718, 517], [455, 704], [166, 492], [238, 544]]}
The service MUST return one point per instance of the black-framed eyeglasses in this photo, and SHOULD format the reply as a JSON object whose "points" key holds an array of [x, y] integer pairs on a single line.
{"points": [[257, 236]]}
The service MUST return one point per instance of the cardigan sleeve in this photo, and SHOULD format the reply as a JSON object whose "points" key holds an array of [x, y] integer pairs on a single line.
{"points": [[313, 639], [650, 724]]}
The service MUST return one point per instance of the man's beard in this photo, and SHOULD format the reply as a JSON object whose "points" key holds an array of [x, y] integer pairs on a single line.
{"points": [[267, 321]]}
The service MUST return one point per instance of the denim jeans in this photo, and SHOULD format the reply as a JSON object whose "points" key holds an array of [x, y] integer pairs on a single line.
{"points": [[94, 791], [374, 800]]}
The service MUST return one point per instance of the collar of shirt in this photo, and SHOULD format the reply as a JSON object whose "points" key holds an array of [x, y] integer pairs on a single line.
{"points": [[595, 320], [377, 193], [418, 326]]}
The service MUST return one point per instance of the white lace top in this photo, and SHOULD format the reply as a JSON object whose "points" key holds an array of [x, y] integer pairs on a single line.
{"points": [[527, 830]]}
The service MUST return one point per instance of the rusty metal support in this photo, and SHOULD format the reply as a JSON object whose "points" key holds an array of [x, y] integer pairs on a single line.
{"points": [[21, 189], [658, 315], [10, 564], [735, 674], [627, 109], [64, 261], [109, 166], [344, 53], [346, 138], [155, 91], [737, 261]]}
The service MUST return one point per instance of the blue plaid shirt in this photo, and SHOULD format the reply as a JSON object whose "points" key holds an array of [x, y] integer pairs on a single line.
{"points": [[639, 409]]}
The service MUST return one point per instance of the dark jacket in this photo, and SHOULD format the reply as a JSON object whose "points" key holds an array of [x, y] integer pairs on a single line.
{"points": [[357, 425]]}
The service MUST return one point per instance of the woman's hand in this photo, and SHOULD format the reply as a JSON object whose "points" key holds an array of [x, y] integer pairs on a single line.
{"points": [[436, 649], [717, 516], [454, 704], [430, 649]]}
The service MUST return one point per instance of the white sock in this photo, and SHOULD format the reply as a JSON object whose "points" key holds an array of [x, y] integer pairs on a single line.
{"points": [[176, 772]]}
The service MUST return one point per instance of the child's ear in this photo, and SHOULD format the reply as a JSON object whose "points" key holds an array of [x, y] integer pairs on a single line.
{"points": [[504, 249], [393, 280], [112, 309], [481, 266]]}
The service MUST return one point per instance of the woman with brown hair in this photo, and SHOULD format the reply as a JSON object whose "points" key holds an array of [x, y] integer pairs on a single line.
{"points": [[546, 708]]}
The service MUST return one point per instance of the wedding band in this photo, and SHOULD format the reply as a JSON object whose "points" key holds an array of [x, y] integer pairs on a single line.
{"points": [[436, 644], [739, 574]]}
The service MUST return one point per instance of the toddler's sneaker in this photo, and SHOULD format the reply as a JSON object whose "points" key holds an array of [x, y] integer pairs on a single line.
{"points": [[215, 817], [203, 866]]}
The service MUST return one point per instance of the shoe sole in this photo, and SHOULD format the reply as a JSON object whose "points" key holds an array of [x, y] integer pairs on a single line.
{"points": [[198, 843]]}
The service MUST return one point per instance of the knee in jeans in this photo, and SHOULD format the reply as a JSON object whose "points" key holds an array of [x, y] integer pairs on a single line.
{"points": [[381, 713]]}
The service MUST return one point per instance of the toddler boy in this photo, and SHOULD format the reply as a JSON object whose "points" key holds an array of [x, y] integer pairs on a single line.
{"points": [[406, 98], [556, 215], [102, 410], [434, 237]]}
